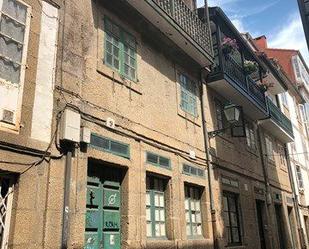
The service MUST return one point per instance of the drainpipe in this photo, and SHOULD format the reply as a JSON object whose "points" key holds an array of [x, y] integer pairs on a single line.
{"points": [[301, 233], [209, 167], [268, 193], [66, 199]]}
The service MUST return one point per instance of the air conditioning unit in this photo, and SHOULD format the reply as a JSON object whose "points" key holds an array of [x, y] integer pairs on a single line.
{"points": [[7, 116]]}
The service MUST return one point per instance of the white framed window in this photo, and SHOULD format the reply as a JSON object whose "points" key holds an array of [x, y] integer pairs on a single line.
{"points": [[14, 33], [284, 99], [155, 207], [193, 211], [269, 148], [250, 135], [281, 154], [299, 177]]}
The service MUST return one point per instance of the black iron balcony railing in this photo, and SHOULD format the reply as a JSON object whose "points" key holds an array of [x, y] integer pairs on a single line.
{"points": [[280, 118], [188, 20], [237, 74]]}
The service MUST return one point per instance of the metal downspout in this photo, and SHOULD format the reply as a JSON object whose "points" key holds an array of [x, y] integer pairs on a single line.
{"points": [[209, 168]]}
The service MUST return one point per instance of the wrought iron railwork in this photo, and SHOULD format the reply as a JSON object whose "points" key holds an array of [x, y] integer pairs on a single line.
{"points": [[188, 20], [280, 118], [6, 199], [236, 73]]}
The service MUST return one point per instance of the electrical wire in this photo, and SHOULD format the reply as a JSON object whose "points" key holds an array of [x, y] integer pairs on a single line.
{"points": [[44, 156]]}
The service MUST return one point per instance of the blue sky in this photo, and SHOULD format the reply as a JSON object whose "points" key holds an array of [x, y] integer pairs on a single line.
{"points": [[279, 20]]}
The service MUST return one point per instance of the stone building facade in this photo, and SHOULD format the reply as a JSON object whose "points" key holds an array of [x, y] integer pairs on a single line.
{"points": [[111, 141]]}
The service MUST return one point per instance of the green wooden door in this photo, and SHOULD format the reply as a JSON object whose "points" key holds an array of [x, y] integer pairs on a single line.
{"points": [[103, 210]]}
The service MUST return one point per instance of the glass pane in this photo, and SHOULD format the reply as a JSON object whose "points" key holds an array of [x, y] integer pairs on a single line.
{"points": [[226, 219], [12, 29], [149, 230], [197, 205], [232, 204], [162, 215], [162, 229], [161, 200], [234, 219], [198, 217], [15, 9], [235, 234], [148, 199], [193, 218], [11, 49], [148, 214], [157, 200], [9, 71], [199, 229], [194, 229], [109, 59], [116, 63], [157, 215], [187, 204], [152, 158], [157, 228]]}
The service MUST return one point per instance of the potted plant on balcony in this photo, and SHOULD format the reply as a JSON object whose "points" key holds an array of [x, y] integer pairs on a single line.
{"points": [[265, 85], [250, 67], [228, 45]]}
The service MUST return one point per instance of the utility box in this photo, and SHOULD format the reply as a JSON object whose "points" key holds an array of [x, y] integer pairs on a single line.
{"points": [[70, 126]]}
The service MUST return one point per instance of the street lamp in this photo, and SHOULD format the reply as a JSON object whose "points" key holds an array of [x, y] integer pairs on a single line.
{"points": [[232, 115]]}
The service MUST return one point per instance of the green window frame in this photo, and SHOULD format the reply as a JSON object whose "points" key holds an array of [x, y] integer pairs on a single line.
{"points": [[193, 171], [232, 218], [108, 145], [188, 99], [120, 50], [158, 160], [155, 207], [193, 212]]}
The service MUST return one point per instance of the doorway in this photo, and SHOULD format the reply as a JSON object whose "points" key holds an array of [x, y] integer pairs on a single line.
{"points": [[260, 217], [103, 207]]}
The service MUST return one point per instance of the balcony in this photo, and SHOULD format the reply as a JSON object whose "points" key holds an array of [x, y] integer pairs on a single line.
{"points": [[181, 25], [230, 81], [278, 124], [231, 77]]}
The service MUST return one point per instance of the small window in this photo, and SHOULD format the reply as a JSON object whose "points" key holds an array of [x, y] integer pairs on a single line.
{"points": [[269, 148], [158, 160], [194, 171], [299, 177], [232, 218], [250, 135], [281, 154], [284, 99], [120, 50], [188, 95], [155, 207], [193, 211], [114, 147]]}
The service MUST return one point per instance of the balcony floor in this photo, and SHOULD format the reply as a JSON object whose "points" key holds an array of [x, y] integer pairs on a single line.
{"points": [[238, 96], [157, 17], [272, 127]]}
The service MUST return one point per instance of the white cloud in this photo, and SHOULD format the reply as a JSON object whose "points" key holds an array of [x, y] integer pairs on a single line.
{"points": [[238, 23], [291, 36]]}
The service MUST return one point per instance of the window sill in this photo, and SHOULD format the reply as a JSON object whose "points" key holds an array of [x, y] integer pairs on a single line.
{"points": [[116, 77], [189, 117]]}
